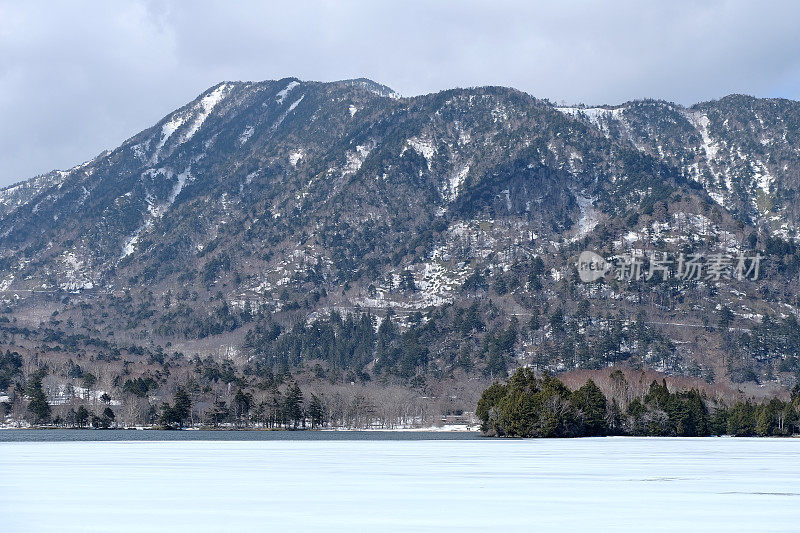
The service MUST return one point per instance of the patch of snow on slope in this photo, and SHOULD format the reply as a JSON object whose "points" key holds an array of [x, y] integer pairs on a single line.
{"points": [[130, 244], [201, 111], [139, 150], [710, 148], [717, 197], [74, 273], [701, 122], [246, 134], [6, 283], [763, 179], [157, 211], [175, 122], [10, 190], [589, 217], [455, 182], [352, 109], [423, 147], [153, 206], [357, 158], [295, 157], [286, 113], [596, 115], [183, 177], [281, 96], [207, 104], [296, 103]]}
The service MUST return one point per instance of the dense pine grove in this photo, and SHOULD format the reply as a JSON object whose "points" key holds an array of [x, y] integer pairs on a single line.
{"points": [[530, 406]]}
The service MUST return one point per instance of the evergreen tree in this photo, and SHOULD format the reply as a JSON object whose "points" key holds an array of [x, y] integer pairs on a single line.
{"points": [[243, 402], [488, 408], [179, 411], [182, 406], [89, 381], [741, 420], [719, 421], [591, 402], [276, 411], [293, 406], [106, 420], [38, 405], [82, 416], [316, 411], [219, 413], [692, 417], [407, 281]]}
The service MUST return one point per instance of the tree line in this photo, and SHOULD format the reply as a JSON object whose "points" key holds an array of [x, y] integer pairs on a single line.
{"points": [[531, 406]]}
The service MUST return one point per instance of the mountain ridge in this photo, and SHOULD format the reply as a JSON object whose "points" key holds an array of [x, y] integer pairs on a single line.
{"points": [[389, 91]]}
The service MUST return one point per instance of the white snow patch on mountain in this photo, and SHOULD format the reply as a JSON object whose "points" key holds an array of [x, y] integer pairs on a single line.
{"points": [[357, 158], [10, 190], [5, 284], [596, 115], [701, 122], [207, 104], [423, 146], [286, 113], [167, 130], [246, 134], [763, 179], [133, 240], [157, 210], [75, 277], [296, 103], [183, 177], [199, 111], [281, 96], [589, 217], [717, 197], [457, 179]]}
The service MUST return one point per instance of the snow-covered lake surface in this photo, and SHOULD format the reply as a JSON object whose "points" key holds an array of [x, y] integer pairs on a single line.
{"points": [[611, 484]]}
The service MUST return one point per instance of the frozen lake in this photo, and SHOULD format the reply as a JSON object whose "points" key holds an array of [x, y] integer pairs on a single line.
{"points": [[633, 484]]}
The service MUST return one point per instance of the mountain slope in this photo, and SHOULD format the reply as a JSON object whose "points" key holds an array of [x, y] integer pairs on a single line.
{"points": [[260, 214]]}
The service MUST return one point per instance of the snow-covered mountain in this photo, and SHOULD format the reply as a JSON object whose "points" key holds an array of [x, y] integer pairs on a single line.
{"points": [[298, 199]]}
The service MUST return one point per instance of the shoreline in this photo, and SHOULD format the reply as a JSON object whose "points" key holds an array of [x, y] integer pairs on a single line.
{"points": [[460, 428]]}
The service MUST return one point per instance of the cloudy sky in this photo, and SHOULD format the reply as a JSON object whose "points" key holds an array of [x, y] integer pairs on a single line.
{"points": [[79, 77]]}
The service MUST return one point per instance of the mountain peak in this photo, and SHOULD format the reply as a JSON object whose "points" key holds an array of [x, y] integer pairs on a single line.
{"points": [[375, 87]]}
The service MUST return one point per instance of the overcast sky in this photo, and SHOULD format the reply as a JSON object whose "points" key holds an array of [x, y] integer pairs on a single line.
{"points": [[80, 77]]}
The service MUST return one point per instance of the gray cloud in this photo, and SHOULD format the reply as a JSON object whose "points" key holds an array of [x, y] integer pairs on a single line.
{"points": [[80, 77]]}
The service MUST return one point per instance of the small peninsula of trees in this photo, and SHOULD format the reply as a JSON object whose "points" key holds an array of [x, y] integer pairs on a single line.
{"points": [[530, 406]]}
